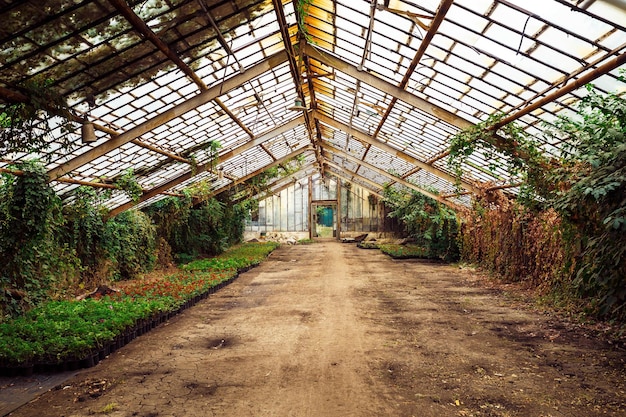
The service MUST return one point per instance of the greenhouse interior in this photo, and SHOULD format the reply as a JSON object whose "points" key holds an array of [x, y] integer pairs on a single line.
{"points": [[147, 135]]}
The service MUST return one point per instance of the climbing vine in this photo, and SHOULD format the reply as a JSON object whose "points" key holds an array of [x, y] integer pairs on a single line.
{"points": [[259, 183], [580, 192], [27, 126], [302, 11], [430, 224], [590, 193], [508, 148], [29, 212], [127, 182]]}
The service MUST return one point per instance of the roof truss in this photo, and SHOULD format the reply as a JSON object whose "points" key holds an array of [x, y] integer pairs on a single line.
{"points": [[392, 83]]}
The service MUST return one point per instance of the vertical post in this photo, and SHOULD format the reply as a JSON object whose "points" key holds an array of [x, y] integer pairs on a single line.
{"points": [[338, 208], [310, 222]]}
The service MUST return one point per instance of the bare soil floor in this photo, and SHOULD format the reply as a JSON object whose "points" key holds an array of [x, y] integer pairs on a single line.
{"points": [[332, 330]]}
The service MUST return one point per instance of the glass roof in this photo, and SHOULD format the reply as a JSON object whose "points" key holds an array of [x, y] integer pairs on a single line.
{"points": [[385, 83]]}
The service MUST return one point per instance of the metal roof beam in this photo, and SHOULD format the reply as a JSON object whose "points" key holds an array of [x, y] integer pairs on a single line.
{"points": [[384, 173], [386, 87], [176, 111], [432, 30], [280, 183], [295, 70], [400, 94], [340, 173], [18, 97], [144, 30], [260, 170], [147, 33], [363, 137], [585, 79], [205, 167]]}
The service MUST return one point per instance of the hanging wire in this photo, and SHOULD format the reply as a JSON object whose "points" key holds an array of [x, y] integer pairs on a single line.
{"points": [[522, 38]]}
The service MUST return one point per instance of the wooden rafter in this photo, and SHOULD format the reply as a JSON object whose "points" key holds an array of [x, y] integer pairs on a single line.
{"points": [[74, 181], [294, 69], [386, 87], [282, 183], [145, 31], [365, 138], [204, 167], [341, 173], [380, 171], [168, 115], [432, 30], [580, 82], [260, 170], [18, 97]]}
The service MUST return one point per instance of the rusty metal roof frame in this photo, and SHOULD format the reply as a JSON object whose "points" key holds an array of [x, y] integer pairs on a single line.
{"points": [[386, 84]]}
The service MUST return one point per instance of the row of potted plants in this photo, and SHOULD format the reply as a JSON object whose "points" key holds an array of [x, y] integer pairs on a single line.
{"points": [[70, 334]]}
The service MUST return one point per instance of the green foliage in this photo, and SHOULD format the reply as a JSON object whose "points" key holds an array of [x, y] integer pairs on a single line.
{"points": [[590, 192], [302, 9], [167, 214], [130, 241], [207, 228], [27, 127], [118, 248], [583, 192], [511, 149], [127, 182], [84, 226], [237, 258], [259, 182], [58, 331], [211, 149], [405, 251], [29, 212], [432, 225]]}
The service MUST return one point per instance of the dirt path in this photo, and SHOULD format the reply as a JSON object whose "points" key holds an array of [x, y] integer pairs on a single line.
{"points": [[332, 330]]}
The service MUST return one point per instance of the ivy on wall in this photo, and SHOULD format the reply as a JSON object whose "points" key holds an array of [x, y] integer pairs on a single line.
{"points": [[29, 213]]}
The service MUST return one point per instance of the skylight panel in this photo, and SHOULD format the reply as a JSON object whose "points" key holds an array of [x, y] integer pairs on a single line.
{"points": [[408, 5], [465, 65], [469, 19], [511, 73], [345, 27], [451, 72], [355, 6], [565, 42], [542, 71], [554, 58], [457, 32], [488, 90], [400, 24], [386, 34]]}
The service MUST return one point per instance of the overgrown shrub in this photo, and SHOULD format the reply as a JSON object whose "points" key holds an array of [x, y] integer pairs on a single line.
{"points": [[431, 225], [108, 249], [83, 228], [130, 242], [52, 251], [590, 193], [517, 244], [205, 229], [29, 213], [568, 232]]}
